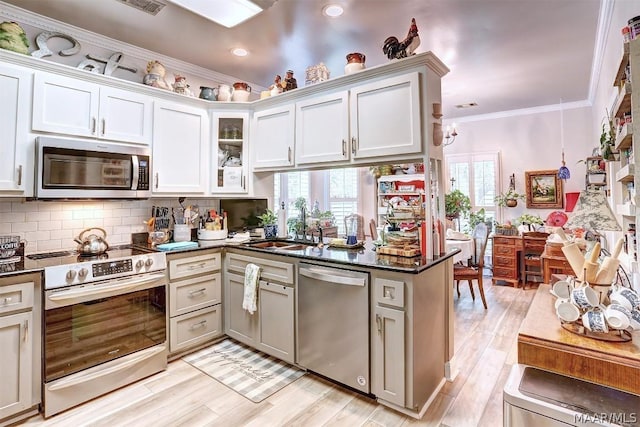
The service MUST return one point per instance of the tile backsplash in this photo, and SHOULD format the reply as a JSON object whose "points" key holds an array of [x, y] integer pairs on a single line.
{"points": [[52, 225]]}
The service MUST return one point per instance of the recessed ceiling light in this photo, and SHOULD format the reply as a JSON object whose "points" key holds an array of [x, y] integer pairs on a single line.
{"points": [[228, 12], [332, 10], [238, 51], [467, 105]]}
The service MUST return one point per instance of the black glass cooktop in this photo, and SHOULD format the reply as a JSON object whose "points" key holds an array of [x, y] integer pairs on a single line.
{"points": [[70, 256]]}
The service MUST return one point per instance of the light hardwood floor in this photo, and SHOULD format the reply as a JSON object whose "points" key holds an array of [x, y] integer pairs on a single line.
{"points": [[485, 345]]}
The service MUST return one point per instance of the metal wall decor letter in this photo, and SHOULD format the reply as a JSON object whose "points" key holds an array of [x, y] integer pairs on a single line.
{"points": [[43, 49]]}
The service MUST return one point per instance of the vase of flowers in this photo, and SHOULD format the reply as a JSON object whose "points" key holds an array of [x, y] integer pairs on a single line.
{"points": [[269, 221]]}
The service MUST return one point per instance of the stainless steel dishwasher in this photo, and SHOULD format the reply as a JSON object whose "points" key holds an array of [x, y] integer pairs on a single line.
{"points": [[333, 324]]}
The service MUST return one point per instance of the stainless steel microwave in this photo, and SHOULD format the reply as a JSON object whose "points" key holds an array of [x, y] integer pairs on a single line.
{"points": [[85, 169]]}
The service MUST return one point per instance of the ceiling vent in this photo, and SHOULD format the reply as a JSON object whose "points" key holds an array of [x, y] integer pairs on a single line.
{"points": [[152, 7]]}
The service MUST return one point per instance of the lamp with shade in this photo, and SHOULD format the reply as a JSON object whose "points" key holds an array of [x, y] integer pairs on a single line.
{"points": [[593, 213]]}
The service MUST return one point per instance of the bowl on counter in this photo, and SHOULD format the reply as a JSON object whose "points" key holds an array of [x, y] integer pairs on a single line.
{"points": [[204, 234]]}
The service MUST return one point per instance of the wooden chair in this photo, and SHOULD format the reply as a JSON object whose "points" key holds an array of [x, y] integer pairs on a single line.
{"points": [[473, 270], [373, 230], [533, 243], [359, 221]]}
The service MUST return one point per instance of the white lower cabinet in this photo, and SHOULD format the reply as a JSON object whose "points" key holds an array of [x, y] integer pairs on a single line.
{"points": [[271, 327], [19, 346], [195, 299]]}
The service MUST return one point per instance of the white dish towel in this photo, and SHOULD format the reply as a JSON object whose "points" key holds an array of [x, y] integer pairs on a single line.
{"points": [[251, 276]]}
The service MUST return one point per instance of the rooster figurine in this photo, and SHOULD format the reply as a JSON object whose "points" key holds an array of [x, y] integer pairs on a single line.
{"points": [[396, 49]]}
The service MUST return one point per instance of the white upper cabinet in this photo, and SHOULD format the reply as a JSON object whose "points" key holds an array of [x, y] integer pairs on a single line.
{"points": [[180, 149], [230, 153], [322, 129], [17, 154], [272, 137], [75, 107], [372, 120], [385, 117]]}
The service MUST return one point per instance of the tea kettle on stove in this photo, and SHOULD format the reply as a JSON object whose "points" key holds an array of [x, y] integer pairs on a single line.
{"points": [[93, 244]]}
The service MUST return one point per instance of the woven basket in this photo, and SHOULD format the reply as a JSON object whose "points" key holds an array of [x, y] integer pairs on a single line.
{"points": [[512, 231]]}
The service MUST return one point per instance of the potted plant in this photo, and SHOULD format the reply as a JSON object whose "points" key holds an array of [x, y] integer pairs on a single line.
{"points": [[529, 221], [456, 204], [476, 218], [608, 139], [269, 221], [509, 199]]}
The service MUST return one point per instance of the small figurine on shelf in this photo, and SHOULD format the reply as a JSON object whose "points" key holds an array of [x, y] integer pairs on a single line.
{"points": [[289, 82], [155, 75], [276, 87], [180, 85]]}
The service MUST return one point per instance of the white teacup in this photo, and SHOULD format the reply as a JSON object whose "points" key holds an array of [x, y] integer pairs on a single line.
{"points": [[566, 311], [562, 289], [618, 317], [626, 297], [585, 297], [634, 320], [595, 321]]}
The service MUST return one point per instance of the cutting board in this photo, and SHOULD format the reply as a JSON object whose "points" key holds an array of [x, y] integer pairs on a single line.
{"points": [[406, 251]]}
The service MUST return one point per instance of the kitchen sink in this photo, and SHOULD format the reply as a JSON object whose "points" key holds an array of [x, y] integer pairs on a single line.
{"points": [[279, 245]]}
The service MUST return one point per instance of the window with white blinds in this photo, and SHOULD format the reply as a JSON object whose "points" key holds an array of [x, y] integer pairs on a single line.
{"points": [[335, 190], [477, 176]]}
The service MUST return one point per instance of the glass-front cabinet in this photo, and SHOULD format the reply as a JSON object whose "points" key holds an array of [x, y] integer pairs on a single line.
{"points": [[229, 134]]}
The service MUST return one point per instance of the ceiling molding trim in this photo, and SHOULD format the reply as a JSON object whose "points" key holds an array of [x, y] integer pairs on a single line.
{"points": [[602, 34], [20, 15], [521, 112]]}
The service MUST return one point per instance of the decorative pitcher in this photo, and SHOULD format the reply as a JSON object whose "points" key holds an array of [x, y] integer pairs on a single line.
{"points": [[224, 93]]}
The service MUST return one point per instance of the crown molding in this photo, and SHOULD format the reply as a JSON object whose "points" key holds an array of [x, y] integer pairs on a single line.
{"points": [[522, 112], [13, 13], [602, 34]]}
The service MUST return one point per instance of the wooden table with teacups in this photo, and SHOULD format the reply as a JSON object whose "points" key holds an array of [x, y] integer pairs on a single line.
{"points": [[544, 343]]}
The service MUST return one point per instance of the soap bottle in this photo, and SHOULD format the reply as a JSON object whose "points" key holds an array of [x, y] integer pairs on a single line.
{"points": [[282, 221]]}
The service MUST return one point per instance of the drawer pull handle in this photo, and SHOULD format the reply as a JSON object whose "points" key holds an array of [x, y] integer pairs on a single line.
{"points": [[93, 126], [20, 175], [344, 147], [197, 266], [379, 323], [26, 330], [353, 145], [157, 180], [200, 324], [104, 126], [196, 292], [7, 300]]}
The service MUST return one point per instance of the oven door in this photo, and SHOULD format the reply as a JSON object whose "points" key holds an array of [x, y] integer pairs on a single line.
{"points": [[88, 325], [88, 169]]}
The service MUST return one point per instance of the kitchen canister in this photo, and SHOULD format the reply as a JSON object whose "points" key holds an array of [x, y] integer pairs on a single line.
{"points": [[8, 246], [355, 62]]}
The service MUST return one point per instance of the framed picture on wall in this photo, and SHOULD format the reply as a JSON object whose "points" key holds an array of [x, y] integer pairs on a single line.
{"points": [[544, 190]]}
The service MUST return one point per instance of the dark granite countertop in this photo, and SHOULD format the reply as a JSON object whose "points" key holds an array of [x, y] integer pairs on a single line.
{"points": [[363, 257]]}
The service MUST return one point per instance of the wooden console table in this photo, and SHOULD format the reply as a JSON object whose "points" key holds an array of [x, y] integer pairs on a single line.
{"points": [[554, 261], [543, 343]]}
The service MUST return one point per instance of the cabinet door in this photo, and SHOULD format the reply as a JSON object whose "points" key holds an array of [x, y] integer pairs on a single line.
{"points": [[15, 354], [65, 105], [273, 136], [389, 351], [276, 326], [180, 149], [125, 116], [15, 90], [230, 154], [239, 324], [385, 117], [322, 129]]}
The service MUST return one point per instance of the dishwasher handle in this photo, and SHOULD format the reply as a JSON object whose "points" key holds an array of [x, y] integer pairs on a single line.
{"points": [[332, 277]]}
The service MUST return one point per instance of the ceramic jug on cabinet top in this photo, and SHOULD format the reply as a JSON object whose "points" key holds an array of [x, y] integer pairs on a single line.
{"points": [[241, 92], [224, 93]]}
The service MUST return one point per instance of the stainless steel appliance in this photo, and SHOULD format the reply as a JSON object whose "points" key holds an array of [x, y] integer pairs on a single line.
{"points": [[105, 323], [536, 398], [333, 324], [83, 169]]}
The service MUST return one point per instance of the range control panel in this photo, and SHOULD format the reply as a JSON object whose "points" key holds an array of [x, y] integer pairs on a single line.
{"points": [[112, 267]]}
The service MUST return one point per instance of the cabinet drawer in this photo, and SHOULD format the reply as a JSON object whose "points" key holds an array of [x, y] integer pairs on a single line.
{"points": [[269, 270], [389, 292], [504, 241], [194, 328], [193, 265], [504, 250], [16, 297], [507, 273], [193, 294], [502, 261]]}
